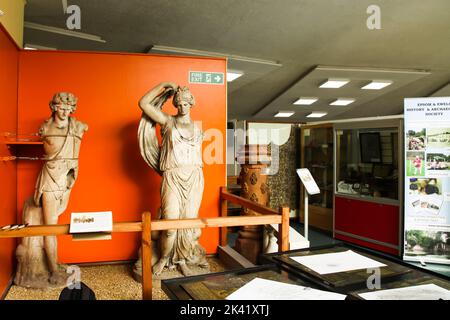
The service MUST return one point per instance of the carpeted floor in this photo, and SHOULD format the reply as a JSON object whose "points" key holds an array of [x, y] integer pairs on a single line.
{"points": [[109, 282]]}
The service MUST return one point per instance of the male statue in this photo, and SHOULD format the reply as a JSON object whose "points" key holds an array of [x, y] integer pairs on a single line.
{"points": [[61, 134]]}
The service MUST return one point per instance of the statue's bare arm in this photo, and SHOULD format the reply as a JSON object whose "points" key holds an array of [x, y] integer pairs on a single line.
{"points": [[148, 102]]}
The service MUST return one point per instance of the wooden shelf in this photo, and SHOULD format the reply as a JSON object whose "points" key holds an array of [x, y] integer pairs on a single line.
{"points": [[24, 143], [14, 146]]}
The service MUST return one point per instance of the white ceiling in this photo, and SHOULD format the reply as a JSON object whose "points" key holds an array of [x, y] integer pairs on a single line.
{"points": [[299, 34], [308, 86], [442, 92]]}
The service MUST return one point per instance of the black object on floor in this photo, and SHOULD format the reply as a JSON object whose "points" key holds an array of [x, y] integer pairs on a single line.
{"points": [[83, 293]]}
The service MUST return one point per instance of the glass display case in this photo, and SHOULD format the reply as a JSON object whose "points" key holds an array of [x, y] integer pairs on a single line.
{"points": [[317, 156], [366, 162], [367, 186]]}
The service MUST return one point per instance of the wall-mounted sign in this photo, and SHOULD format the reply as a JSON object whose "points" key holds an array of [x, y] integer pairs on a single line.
{"points": [[427, 180], [308, 181], [91, 225], [203, 77]]}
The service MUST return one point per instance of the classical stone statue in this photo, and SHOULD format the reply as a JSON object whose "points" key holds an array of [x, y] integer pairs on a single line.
{"points": [[61, 134], [179, 161]]}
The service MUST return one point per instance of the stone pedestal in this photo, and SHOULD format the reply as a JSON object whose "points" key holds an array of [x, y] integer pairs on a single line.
{"points": [[254, 160]]}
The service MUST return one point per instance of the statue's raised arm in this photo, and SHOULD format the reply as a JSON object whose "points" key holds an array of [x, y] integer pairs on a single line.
{"points": [[152, 102]]}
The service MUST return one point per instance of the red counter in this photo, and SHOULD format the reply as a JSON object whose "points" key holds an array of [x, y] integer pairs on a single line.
{"points": [[367, 223]]}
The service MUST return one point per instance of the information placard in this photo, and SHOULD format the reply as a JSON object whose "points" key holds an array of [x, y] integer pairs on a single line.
{"points": [[308, 181], [427, 179], [91, 225]]}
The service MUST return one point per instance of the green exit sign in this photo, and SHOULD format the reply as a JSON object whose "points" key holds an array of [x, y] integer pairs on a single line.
{"points": [[206, 77]]}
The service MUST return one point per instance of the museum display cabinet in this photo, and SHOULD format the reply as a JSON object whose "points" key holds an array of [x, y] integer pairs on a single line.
{"points": [[217, 286], [368, 184], [316, 142], [395, 273], [281, 267]]}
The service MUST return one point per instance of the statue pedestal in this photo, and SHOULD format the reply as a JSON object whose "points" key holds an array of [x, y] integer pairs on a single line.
{"points": [[254, 160]]}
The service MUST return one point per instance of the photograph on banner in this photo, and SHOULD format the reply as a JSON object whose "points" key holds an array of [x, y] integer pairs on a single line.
{"points": [[415, 139], [429, 186], [427, 180], [438, 138], [438, 164], [428, 245], [415, 163]]}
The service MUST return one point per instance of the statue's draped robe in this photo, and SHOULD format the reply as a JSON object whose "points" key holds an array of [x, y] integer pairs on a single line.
{"points": [[179, 162], [57, 177], [60, 169]]}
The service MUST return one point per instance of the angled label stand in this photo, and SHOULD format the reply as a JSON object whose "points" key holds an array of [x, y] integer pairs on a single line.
{"points": [[311, 188]]}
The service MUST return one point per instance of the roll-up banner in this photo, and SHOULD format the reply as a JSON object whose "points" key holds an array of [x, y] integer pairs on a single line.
{"points": [[427, 180]]}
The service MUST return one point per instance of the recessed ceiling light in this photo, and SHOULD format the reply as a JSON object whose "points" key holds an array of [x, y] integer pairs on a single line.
{"points": [[342, 102], [233, 75], [306, 101], [284, 114], [334, 83], [29, 46], [377, 85], [316, 114]]}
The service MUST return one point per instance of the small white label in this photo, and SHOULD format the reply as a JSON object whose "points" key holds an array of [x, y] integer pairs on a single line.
{"points": [[306, 132], [87, 222]]}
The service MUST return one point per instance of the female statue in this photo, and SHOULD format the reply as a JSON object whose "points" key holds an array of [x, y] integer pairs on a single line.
{"points": [[179, 161]]}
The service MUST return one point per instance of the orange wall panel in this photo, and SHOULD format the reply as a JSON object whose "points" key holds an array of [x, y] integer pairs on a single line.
{"points": [[9, 59], [112, 174]]}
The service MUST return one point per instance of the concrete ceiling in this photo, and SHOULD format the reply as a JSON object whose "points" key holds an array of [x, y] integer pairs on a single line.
{"points": [[299, 34]]}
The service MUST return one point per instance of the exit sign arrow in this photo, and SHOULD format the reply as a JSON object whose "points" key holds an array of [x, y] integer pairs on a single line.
{"points": [[203, 77]]}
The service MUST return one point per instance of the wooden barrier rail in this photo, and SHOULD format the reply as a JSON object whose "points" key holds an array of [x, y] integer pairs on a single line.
{"points": [[158, 225], [147, 225], [283, 213]]}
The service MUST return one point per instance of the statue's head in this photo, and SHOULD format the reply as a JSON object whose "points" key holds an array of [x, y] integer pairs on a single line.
{"points": [[183, 100], [63, 104], [183, 94]]}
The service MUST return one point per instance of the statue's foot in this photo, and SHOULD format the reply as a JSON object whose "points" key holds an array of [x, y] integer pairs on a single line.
{"points": [[159, 267], [185, 270], [204, 264], [58, 277], [172, 267]]}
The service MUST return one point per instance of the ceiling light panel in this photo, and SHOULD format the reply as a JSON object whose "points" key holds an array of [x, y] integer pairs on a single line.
{"points": [[284, 114], [342, 102], [306, 101], [377, 85], [233, 75], [316, 114], [334, 83]]}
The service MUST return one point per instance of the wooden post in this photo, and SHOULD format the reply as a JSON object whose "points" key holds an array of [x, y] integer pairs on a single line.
{"points": [[146, 256], [223, 213], [283, 234]]}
